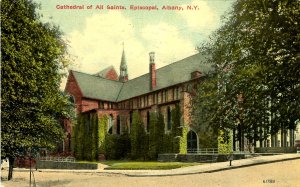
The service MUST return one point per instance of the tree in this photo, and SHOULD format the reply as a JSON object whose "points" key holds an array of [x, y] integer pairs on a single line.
{"points": [[256, 58], [33, 55], [153, 136], [156, 134], [138, 138]]}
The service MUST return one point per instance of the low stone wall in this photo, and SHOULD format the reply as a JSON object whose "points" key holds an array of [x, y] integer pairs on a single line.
{"points": [[24, 162], [198, 157], [41, 164], [275, 150]]}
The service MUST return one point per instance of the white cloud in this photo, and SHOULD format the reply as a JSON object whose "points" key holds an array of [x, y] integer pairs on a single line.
{"points": [[99, 44], [203, 20], [167, 43]]}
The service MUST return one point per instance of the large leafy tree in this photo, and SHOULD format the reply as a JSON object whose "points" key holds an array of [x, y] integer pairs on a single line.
{"points": [[256, 58], [33, 55]]}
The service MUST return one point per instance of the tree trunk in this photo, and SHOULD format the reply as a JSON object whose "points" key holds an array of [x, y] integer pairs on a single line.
{"points": [[11, 167], [240, 137], [234, 140]]}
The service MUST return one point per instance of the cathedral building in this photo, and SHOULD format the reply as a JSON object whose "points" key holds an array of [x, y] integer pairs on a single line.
{"points": [[116, 96], [161, 89]]}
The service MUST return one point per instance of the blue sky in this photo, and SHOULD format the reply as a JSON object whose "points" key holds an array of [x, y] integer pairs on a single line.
{"points": [[95, 37]]}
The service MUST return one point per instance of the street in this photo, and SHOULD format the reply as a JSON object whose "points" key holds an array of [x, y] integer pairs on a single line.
{"points": [[285, 173]]}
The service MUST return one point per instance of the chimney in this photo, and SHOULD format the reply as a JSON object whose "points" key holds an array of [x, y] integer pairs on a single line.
{"points": [[152, 71]]}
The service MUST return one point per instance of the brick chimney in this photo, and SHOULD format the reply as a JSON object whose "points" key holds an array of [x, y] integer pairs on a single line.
{"points": [[152, 71]]}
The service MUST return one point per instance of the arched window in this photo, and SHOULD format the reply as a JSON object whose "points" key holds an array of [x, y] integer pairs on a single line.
{"points": [[69, 141], [191, 142], [110, 123], [148, 121], [169, 118], [130, 119], [118, 125]]}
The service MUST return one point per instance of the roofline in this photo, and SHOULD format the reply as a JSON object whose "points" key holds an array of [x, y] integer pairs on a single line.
{"points": [[119, 93], [177, 61], [165, 66], [97, 76], [198, 78], [85, 97], [123, 83], [140, 75], [142, 94], [70, 72], [107, 68]]}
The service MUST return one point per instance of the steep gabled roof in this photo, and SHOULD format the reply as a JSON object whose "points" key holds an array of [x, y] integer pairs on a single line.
{"points": [[172, 74], [103, 89], [97, 87], [104, 72]]}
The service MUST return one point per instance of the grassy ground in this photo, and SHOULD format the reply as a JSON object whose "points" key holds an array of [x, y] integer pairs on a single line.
{"points": [[87, 162], [139, 165]]}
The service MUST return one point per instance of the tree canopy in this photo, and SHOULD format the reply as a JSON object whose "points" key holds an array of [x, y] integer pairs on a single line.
{"points": [[33, 55], [257, 69]]}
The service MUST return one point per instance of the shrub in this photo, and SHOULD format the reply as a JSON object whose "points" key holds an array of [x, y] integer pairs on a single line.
{"points": [[224, 142]]}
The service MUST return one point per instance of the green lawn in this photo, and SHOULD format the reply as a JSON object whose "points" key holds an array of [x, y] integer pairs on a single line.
{"points": [[87, 162], [132, 165]]}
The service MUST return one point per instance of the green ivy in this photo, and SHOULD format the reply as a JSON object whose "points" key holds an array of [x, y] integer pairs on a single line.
{"points": [[133, 135], [160, 126], [94, 136], [102, 131], [86, 138], [167, 143], [138, 138], [153, 136], [179, 132], [91, 137], [224, 142]]}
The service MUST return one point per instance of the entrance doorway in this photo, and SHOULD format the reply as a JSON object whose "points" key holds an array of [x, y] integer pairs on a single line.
{"points": [[191, 142]]}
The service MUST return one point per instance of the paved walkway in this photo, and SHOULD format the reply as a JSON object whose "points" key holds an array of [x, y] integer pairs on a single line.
{"points": [[205, 168]]}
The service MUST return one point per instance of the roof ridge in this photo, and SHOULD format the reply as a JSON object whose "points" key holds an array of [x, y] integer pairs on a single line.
{"points": [[95, 76], [140, 75], [177, 61], [108, 67], [164, 66], [119, 92]]}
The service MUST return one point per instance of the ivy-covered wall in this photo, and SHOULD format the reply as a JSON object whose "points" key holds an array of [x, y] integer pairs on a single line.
{"points": [[179, 132], [91, 137], [86, 137], [139, 140], [102, 131]]}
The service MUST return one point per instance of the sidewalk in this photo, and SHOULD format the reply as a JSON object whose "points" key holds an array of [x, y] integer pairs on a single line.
{"points": [[205, 168]]}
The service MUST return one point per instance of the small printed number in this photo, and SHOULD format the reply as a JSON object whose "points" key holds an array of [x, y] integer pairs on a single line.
{"points": [[269, 181]]}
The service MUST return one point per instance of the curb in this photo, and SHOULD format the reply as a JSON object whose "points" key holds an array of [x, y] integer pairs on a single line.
{"points": [[161, 175], [210, 171]]}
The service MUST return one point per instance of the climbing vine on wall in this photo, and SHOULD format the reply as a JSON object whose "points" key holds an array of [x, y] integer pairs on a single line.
{"points": [[179, 132], [91, 137], [86, 140], [102, 131], [138, 138], [156, 134]]}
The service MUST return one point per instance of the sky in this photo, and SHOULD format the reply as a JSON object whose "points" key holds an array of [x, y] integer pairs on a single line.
{"points": [[95, 37]]}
